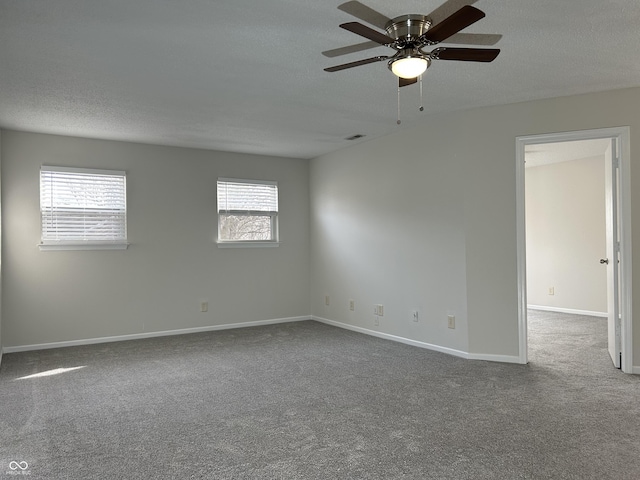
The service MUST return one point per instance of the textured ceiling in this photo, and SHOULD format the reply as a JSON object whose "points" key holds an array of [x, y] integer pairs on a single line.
{"points": [[247, 75], [548, 153]]}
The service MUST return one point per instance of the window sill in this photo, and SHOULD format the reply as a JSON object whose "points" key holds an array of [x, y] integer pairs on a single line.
{"points": [[82, 246], [247, 244]]}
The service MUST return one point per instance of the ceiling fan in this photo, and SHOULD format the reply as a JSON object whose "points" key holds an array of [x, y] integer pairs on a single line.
{"points": [[409, 34]]}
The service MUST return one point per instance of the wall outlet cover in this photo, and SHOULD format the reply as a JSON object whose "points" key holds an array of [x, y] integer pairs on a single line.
{"points": [[451, 321]]}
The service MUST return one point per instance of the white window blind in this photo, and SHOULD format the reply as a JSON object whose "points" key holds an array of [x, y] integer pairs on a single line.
{"points": [[247, 210], [82, 206]]}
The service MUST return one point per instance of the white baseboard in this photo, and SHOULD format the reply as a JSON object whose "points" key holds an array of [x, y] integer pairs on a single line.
{"points": [[416, 343], [568, 310], [387, 336], [488, 357], [635, 370], [138, 336]]}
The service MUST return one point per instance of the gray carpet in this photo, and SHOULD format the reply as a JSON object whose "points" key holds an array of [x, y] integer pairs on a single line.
{"points": [[310, 401]]}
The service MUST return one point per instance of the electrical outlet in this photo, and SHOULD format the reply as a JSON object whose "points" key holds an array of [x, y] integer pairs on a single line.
{"points": [[414, 315], [378, 310], [327, 300], [204, 307], [451, 321], [552, 291], [352, 305]]}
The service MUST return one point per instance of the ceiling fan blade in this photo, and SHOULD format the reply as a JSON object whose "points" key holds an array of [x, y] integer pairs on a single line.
{"points": [[474, 39], [358, 47], [464, 17], [367, 32], [403, 82], [465, 54], [364, 13], [344, 66], [447, 9]]}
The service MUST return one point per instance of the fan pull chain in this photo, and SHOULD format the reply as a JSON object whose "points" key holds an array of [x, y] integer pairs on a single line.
{"points": [[398, 122], [421, 107]]}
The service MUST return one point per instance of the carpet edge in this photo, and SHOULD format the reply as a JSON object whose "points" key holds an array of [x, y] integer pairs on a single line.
{"points": [[163, 333]]}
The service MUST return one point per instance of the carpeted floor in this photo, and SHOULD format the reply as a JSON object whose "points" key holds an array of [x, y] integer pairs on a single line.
{"points": [[310, 401]]}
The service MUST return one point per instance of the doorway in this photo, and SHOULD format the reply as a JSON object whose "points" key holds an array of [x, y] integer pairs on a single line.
{"points": [[619, 261]]}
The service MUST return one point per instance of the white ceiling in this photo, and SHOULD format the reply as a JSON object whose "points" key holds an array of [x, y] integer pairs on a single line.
{"points": [[247, 75], [548, 153]]}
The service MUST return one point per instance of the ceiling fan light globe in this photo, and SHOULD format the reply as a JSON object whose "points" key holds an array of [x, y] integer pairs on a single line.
{"points": [[409, 67]]}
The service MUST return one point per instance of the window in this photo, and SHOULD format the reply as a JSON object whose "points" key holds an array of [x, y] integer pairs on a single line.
{"points": [[83, 209], [247, 212]]}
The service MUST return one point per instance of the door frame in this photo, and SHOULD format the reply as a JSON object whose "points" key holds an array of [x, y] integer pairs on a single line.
{"points": [[623, 136]]}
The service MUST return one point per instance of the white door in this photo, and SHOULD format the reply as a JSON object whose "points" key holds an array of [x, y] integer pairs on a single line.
{"points": [[613, 252]]}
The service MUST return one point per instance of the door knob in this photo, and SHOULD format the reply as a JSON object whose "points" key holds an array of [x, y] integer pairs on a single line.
{"points": [[604, 260]]}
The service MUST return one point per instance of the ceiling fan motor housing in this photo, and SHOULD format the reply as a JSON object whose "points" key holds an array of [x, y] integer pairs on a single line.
{"points": [[408, 29]]}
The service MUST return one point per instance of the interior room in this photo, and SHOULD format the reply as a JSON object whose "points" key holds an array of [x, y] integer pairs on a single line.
{"points": [[378, 329], [566, 227]]}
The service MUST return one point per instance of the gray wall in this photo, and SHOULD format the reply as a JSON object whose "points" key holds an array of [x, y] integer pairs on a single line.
{"points": [[566, 235], [427, 218], [172, 263], [387, 228]]}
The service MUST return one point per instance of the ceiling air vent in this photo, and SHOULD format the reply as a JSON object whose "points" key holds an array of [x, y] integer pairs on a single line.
{"points": [[355, 137]]}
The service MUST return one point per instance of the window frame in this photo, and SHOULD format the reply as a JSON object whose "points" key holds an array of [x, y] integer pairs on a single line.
{"points": [[273, 216], [48, 244]]}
